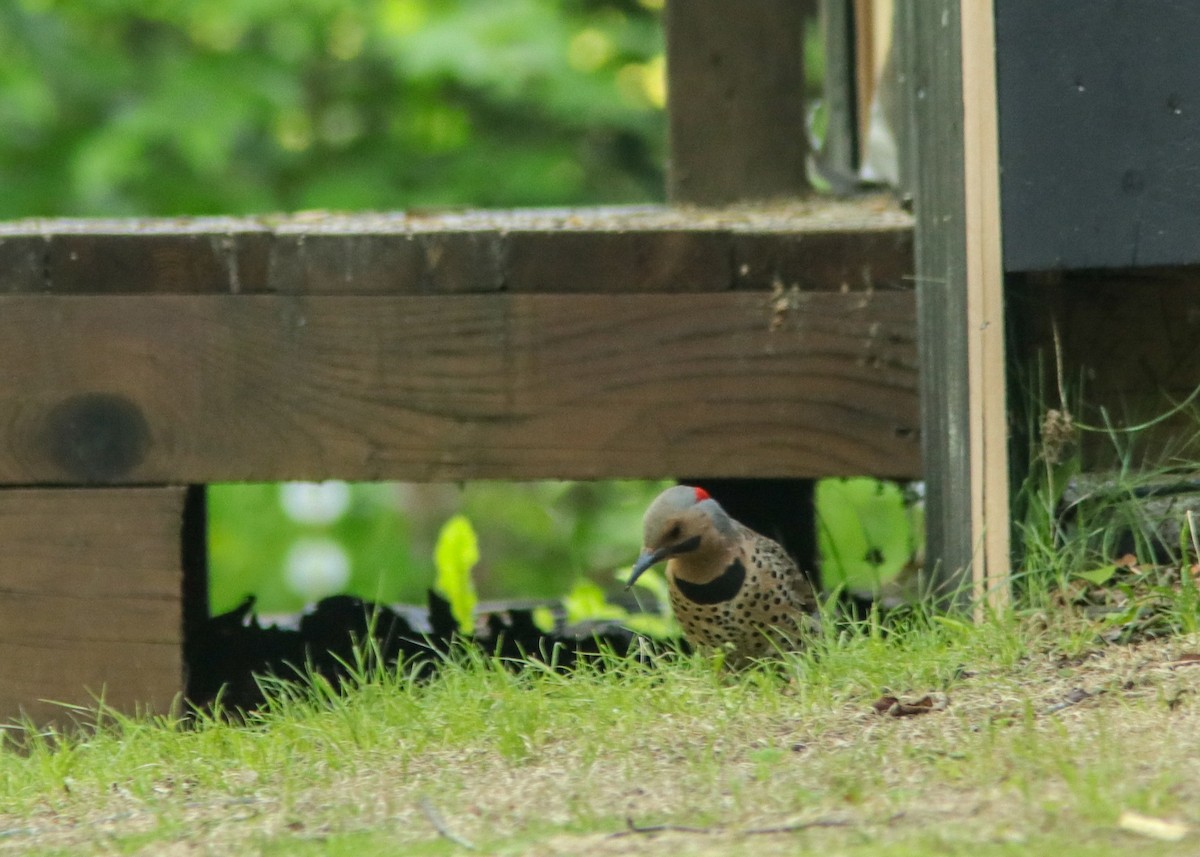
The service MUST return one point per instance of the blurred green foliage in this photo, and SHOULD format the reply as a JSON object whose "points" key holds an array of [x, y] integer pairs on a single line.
{"points": [[570, 540], [867, 532], [143, 107], [535, 539]]}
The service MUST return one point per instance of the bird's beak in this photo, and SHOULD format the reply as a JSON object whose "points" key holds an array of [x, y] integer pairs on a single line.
{"points": [[647, 559]]}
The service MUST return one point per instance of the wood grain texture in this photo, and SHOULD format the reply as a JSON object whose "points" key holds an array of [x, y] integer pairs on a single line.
{"points": [[735, 100], [197, 389], [601, 250], [90, 587]]}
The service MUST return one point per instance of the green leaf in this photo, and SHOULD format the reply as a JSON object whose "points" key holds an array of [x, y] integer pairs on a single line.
{"points": [[543, 618], [866, 535], [1098, 576], [953, 624], [455, 555]]}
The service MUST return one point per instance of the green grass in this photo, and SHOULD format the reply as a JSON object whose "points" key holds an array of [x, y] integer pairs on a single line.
{"points": [[543, 763]]}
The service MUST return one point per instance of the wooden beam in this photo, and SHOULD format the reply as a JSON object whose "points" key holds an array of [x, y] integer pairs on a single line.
{"points": [[819, 245], [735, 100], [90, 588], [990, 514], [201, 388]]}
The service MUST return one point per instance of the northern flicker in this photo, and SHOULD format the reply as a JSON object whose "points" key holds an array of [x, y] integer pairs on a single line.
{"points": [[730, 587]]}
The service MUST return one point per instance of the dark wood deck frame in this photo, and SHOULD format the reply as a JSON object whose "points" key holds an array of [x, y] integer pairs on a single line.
{"points": [[775, 337]]}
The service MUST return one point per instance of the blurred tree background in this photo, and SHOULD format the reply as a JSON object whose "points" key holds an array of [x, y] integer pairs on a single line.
{"points": [[136, 107], [188, 107]]}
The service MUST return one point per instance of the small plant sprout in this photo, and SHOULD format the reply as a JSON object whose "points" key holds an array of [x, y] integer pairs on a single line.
{"points": [[456, 553]]}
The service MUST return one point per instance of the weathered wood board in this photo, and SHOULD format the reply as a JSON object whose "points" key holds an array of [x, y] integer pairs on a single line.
{"points": [[150, 389], [817, 245], [90, 592], [932, 30]]}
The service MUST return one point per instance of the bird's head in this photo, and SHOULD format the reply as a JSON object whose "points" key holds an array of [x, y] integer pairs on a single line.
{"points": [[682, 522]]}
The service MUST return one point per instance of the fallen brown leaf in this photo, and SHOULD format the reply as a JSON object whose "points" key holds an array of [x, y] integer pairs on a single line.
{"points": [[884, 704], [1130, 562], [892, 706]]}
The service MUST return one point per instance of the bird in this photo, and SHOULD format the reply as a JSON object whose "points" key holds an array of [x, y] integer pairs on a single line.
{"points": [[732, 589]]}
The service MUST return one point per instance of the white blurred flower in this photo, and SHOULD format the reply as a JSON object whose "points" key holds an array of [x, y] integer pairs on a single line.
{"points": [[314, 502], [316, 568]]}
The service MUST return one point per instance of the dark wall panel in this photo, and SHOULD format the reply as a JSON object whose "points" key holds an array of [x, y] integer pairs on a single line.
{"points": [[1099, 132]]}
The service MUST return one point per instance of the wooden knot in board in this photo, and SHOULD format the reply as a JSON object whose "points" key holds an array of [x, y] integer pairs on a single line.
{"points": [[97, 437]]}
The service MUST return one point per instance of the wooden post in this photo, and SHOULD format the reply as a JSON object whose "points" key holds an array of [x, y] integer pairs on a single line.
{"points": [[940, 260], [737, 134], [960, 295], [840, 149], [735, 100], [92, 580]]}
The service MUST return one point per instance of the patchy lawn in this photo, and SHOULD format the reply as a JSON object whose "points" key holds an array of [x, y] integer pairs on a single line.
{"points": [[1019, 736]]}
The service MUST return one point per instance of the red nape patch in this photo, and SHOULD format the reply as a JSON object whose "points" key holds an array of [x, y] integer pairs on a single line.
{"points": [[701, 494]]}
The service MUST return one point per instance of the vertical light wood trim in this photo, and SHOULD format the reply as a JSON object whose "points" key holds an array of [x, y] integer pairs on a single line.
{"points": [[883, 13], [990, 525], [873, 28], [864, 68]]}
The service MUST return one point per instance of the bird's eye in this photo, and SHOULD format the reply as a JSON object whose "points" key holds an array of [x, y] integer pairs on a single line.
{"points": [[674, 532]]}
